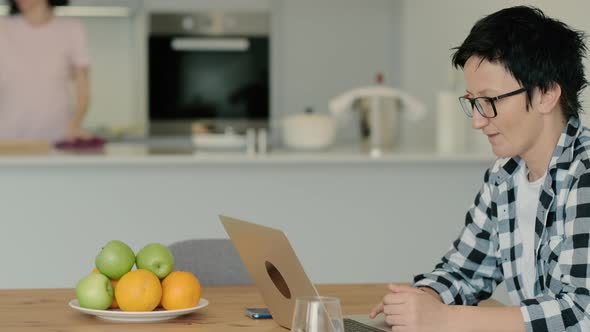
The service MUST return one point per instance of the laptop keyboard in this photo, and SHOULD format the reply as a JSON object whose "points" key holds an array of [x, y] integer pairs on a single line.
{"points": [[354, 326]]}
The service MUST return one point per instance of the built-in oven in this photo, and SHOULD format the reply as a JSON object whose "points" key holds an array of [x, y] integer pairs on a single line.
{"points": [[208, 68]]}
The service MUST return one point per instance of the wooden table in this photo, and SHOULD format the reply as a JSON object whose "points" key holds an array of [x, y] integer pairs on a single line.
{"points": [[47, 310]]}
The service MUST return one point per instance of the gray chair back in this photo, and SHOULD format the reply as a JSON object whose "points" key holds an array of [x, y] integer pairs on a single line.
{"points": [[213, 261]]}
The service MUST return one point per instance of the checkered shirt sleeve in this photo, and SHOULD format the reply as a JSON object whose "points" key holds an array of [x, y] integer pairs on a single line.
{"points": [[470, 271]]}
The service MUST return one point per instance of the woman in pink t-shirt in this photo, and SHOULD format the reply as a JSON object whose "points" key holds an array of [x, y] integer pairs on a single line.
{"points": [[44, 65]]}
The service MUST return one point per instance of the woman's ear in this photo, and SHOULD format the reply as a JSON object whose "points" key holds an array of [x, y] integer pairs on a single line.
{"points": [[550, 98]]}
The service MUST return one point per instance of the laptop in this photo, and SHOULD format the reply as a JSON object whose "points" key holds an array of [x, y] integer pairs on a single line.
{"points": [[278, 274]]}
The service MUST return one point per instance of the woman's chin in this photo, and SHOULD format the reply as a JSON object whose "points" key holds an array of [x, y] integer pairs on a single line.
{"points": [[501, 153]]}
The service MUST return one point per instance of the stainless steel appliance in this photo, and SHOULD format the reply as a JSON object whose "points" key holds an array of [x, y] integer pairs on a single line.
{"points": [[379, 107], [208, 67]]}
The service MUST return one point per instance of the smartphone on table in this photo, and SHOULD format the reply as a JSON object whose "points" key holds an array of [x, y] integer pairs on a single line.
{"points": [[258, 313]]}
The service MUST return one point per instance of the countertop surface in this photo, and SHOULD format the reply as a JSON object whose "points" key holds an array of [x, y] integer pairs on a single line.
{"points": [[182, 152]]}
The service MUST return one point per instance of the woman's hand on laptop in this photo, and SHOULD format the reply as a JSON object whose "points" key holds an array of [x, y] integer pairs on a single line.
{"points": [[409, 309]]}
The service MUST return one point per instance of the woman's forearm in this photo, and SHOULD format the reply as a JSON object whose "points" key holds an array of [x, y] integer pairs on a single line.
{"points": [[82, 97], [493, 319]]}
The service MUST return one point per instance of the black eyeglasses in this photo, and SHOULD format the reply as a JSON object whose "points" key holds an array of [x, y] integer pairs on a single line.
{"points": [[486, 106]]}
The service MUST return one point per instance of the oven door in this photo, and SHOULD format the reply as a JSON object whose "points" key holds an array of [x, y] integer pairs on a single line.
{"points": [[217, 80]]}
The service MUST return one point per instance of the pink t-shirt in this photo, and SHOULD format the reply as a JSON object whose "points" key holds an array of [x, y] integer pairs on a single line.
{"points": [[37, 67]]}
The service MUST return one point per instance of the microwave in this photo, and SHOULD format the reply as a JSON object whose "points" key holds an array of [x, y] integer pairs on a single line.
{"points": [[209, 68]]}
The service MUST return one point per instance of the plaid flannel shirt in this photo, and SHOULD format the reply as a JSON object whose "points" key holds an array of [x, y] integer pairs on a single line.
{"points": [[489, 248]]}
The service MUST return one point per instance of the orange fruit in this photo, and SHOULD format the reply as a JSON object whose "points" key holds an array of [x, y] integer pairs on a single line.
{"points": [[138, 290], [114, 305], [180, 290]]}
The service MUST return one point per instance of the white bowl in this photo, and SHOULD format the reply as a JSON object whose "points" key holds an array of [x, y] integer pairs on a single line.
{"points": [[309, 131]]}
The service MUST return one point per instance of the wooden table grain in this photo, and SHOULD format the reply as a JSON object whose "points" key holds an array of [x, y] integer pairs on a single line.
{"points": [[25, 310]]}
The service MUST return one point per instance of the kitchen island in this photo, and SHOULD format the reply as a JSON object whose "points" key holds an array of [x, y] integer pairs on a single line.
{"points": [[350, 217]]}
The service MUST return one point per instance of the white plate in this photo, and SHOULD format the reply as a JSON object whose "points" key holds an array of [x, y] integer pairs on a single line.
{"points": [[137, 317]]}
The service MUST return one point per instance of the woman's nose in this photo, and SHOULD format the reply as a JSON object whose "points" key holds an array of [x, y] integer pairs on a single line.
{"points": [[478, 121]]}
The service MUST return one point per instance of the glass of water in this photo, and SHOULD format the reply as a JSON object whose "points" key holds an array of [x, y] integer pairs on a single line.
{"points": [[317, 314]]}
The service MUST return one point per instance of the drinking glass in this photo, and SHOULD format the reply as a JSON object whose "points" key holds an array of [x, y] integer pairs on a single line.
{"points": [[317, 314]]}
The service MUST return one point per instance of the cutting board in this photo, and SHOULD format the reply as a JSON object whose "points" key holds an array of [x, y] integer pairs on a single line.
{"points": [[25, 147]]}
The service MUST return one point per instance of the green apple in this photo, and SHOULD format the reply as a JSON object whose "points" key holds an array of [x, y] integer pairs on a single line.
{"points": [[157, 258], [95, 291], [115, 259]]}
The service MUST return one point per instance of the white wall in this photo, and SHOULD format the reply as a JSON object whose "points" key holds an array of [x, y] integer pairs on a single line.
{"points": [[113, 74]]}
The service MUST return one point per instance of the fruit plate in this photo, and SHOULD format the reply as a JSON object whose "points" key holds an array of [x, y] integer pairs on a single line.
{"points": [[137, 317]]}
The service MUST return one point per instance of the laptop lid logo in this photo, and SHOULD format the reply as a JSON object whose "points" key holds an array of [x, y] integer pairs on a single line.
{"points": [[277, 279]]}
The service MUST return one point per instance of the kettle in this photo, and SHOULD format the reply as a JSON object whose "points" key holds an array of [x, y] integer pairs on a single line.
{"points": [[379, 107]]}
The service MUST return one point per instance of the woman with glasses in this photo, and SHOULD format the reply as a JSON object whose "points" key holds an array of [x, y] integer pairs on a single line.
{"points": [[44, 64], [529, 225]]}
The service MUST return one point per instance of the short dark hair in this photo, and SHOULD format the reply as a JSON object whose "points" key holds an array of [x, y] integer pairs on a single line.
{"points": [[537, 50], [15, 11]]}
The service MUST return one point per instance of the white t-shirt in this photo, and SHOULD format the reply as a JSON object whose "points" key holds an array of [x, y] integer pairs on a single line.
{"points": [[37, 67], [527, 201]]}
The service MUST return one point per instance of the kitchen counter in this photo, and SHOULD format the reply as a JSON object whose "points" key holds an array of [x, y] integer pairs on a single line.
{"points": [[338, 206], [137, 153]]}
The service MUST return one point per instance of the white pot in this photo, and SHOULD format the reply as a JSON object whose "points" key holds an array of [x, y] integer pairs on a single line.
{"points": [[309, 131]]}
